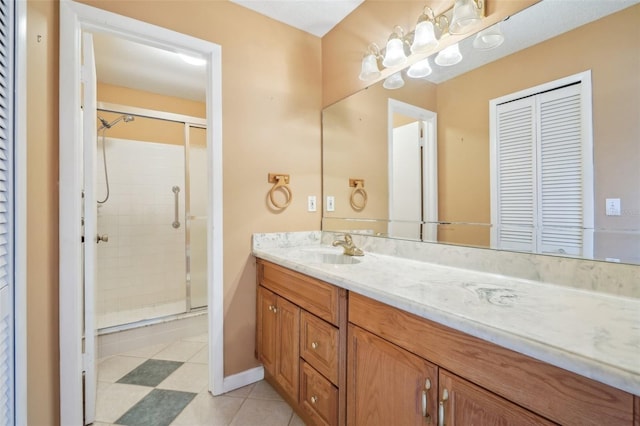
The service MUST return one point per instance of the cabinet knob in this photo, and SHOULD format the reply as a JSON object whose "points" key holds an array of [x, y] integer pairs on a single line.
{"points": [[273, 309], [314, 399], [314, 345]]}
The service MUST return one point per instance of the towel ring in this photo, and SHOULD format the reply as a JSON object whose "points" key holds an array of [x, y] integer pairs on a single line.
{"points": [[281, 183], [358, 189]]}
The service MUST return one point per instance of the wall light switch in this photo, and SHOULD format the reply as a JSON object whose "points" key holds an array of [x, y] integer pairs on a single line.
{"points": [[613, 206], [331, 203], [311, 203]]}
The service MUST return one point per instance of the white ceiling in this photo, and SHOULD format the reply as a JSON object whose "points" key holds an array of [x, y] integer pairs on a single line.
{"points": [[316, 17], [129, 64]]}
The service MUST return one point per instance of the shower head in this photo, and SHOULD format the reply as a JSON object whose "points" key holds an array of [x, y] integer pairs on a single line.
{"points": [[106, 125]]}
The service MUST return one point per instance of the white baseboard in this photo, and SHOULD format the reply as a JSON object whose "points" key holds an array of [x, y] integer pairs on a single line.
{"points": [[241, 379]]}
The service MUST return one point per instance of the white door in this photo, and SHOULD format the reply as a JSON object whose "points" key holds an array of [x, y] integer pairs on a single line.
{"points": [[406, 190], [89, 135]]}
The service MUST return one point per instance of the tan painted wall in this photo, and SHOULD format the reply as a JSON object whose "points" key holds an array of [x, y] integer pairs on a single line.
{"points": [[463, 119], [271, 123], [42, 214]]}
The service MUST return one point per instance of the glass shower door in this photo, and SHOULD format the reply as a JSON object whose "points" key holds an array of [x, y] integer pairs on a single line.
{"points": [[197, 217]]}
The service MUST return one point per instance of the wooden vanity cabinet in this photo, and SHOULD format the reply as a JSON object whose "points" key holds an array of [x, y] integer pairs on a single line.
{"points": [[391, 354], [301, 341], [387, 384], [278, 339]]}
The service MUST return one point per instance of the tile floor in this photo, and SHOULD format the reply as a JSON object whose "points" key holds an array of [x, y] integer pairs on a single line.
{"points": [[166, 385]]}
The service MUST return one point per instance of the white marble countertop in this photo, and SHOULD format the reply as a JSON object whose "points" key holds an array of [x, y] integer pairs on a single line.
{"points": [[593, 334]]}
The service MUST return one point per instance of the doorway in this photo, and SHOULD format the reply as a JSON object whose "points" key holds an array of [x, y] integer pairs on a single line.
{"points": [[78, 220], [413, 172]]}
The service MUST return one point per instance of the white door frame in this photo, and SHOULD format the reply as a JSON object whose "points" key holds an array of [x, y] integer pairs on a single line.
{"points": [[429, 161], [74, 18]]}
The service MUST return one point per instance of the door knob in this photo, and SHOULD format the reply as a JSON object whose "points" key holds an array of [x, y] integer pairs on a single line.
{"points": [[104, 238]]}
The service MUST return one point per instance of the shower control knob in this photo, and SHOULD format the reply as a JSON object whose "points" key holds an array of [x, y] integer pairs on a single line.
{"points": [[104, 238]]}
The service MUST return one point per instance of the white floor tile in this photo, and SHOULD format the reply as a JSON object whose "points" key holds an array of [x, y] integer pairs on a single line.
{"points": [[209, 410], [114, 368], [204, 338], [189, 377], [180, 351], [147, 351], [263, 412], [263, 390], [202, 357], [242, 392], [115, 399], [296, 421]]}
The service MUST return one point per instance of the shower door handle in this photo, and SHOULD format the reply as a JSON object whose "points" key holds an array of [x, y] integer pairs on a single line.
{"points": [[176, 222]]}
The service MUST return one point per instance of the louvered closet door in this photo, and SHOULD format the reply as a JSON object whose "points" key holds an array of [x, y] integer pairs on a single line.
{"points": [[7, 416], [516, 175], [560, 171]]}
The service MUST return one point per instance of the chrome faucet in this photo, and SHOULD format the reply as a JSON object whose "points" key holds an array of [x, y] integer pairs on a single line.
{"points": [[350, 249]]}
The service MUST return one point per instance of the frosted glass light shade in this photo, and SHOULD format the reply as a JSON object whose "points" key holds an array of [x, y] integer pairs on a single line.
{"points": [[465, 14], [394, 81], [489, 38], [420, 69], [424, 38], [394, 55], [449, 56], [370, 70]]}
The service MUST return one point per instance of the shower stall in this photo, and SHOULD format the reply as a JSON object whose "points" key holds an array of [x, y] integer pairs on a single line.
{"points": [[152, 217]]}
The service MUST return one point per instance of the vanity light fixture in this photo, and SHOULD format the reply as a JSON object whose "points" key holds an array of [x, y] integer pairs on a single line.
{"points": [[370, 70], [424, 36], [394, 81], [489, 38], [459, 17], [394, 55], [420, 69], [449, 56], [465, 14]]}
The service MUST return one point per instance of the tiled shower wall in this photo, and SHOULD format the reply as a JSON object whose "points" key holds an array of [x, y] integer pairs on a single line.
{"points": [[141, 269]]}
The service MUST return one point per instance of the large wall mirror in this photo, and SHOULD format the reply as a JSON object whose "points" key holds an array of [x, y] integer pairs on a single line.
{"points": [[451, 122]]}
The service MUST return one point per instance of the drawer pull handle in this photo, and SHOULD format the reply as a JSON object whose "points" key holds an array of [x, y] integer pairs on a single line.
{"points": [[425, 404], [314, 399], [445, 397], [314, 345]]}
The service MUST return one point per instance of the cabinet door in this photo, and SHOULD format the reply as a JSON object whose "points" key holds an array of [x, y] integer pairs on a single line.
{"points": [[388, 385], [266, 328], [463, 403], [288, 347]]}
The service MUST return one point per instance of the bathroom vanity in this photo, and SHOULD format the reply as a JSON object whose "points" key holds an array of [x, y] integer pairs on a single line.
{"points": [[386, 340]]}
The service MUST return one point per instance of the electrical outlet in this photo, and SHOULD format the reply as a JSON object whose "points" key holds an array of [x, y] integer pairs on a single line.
{"points": [[311, 203], [613, 206], [331, 203]]}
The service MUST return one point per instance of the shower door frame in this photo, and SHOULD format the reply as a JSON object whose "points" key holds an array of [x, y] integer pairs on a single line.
{"points": [[74, 19], [189, 122]]}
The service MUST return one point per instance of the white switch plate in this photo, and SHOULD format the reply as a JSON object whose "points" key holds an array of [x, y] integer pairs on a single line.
{"points": [[613, 206], [331, 203], [311, 203]]}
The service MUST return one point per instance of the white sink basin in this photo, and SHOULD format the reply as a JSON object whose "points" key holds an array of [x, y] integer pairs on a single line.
{"points": [[337, 259], [328, 256]]}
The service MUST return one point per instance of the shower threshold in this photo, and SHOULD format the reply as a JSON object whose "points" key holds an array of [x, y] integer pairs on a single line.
{"points": [[151, 321]]}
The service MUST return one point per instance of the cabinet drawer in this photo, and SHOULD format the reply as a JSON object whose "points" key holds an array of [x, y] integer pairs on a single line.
{"points": [[319, 345], [318, 397], [309, 293]]}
